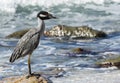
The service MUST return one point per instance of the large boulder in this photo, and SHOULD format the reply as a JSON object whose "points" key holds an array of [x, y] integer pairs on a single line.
{"points": [[66, 32], [74, 32]]}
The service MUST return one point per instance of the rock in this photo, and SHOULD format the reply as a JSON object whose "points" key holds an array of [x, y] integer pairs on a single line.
{"points": [[77, 52], [74, 32], [17, 34], [44, 78], [23, 79], [109, 63], [66, 32]]}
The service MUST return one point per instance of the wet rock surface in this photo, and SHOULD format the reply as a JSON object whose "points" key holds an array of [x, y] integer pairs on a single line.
{"points": [[109, 63], [76, 51]]}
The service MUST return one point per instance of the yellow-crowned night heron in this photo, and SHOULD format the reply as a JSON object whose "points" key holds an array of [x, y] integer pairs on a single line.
{"points": [[29, 42]]}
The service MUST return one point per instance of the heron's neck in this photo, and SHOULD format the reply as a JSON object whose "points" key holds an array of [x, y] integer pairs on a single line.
{"points": [[41, 25]]}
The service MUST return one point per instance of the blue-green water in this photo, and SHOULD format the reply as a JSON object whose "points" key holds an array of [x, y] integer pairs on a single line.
{"points": [[101, 15]]}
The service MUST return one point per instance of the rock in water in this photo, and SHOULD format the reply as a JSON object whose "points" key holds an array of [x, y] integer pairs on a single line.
{"points": [[66, 32], [109, 63], [23, 79], [77, 52], [74, 32], [18, 34]]}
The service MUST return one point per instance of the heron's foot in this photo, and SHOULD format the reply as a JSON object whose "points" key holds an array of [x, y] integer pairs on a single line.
{"points": [[31, 75]]}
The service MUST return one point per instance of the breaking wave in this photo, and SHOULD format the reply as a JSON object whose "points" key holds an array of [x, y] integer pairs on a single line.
{"points": [[14, 5]]}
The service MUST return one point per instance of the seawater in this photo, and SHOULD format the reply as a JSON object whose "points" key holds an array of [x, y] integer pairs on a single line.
{"points": [[101, 15]]}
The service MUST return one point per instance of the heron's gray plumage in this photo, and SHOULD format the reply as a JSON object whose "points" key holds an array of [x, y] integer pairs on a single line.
{"points": [[28, 42]]}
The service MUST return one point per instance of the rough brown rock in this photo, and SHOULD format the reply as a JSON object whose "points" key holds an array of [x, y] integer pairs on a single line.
{"points": [[75, 52], [109, 63], [23, 79], [78, 50]]}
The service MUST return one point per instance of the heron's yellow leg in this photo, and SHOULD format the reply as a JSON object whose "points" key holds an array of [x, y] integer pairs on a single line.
{"points": [[29, 64], [29, 69]]}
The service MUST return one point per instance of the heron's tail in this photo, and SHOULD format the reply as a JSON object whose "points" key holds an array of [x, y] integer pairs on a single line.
{"points": [[12, 59], [15, 55]]}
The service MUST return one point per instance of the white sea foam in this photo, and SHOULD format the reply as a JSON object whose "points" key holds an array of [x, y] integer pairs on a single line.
{"points": [[87, 76], [10, 5]]}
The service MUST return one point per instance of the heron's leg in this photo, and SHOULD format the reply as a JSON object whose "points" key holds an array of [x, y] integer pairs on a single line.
{"points": [[29, 69], [29, 64]]}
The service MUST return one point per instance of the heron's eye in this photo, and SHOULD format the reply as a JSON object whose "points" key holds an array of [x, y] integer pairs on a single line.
{"points": [[42, 15]]}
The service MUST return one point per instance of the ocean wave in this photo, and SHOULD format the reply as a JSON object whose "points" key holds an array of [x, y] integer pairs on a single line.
{"points": [[13, 5]]}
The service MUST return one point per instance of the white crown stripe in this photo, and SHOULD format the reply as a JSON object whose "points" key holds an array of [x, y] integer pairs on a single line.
{"points": [[41, 15]]}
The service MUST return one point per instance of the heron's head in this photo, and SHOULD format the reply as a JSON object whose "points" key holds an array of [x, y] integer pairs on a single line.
{"points": [[43, 15]]}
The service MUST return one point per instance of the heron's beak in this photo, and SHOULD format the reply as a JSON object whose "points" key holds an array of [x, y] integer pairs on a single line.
{"points": [[54, 17], [51, 16]]}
